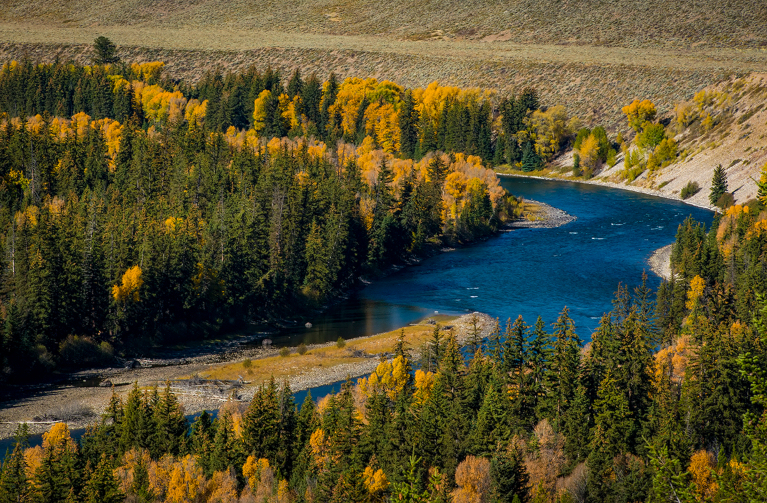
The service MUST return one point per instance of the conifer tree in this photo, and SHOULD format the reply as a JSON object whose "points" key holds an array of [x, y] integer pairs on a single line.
{"points": [[169, 423], [102, 487], [105, 51], [510, 480], [13, 480], [261, 423], [565, 367], [539, 356], [718, 185]]}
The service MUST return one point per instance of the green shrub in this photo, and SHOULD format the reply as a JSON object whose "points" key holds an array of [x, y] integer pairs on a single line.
{"points": [[340, 343], [247, 363], [302, 349], [725, 201], [76, 351], [633, 173], [612, 157], [689, 190], [285, 352]]}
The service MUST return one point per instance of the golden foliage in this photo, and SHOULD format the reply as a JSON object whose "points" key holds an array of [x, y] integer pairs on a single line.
{"points": [[549, 127], [375, 480], [195, 111], [320, 447], [222, 487], [589, 151], [130, 286], [701, 468], [388, 378], [697, 285], [672, 359], [639, 112], [150, 70], [473, 479], [187, 482], [260, 109], [130, 460], [58, 438], [424, 384]]}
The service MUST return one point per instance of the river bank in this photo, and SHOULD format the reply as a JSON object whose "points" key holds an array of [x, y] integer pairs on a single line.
{"points": [[660, 262], [202, 383]]}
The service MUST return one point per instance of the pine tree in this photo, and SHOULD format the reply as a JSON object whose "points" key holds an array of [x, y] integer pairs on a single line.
{"points": [[170, 425], [105, 51], [13, 479], [565, 367], [261, 423], [288, 423], [135, 425], [102, 486], [408, 121], [539, 361], [510, 481], [718, 185]]}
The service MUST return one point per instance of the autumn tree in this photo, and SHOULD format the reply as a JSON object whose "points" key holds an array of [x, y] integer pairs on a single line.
{"points": [[639, 112]]}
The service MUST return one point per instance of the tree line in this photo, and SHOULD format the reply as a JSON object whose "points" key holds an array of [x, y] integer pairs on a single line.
{"points": [[407, 122]]}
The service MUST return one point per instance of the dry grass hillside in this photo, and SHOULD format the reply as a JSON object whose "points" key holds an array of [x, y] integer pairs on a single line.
{"points": [[627, 23], [735, 137]]}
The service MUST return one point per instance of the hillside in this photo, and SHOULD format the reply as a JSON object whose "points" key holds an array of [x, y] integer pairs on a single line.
{"points": [[627, 23], [591, 56], [735, 139]]}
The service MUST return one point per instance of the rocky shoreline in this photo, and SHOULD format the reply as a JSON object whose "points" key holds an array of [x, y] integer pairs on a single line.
{"points": [[546, 217], [660, 262]]}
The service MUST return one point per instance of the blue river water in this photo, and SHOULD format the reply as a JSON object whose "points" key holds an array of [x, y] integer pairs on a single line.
{"points": [[528, 272]]}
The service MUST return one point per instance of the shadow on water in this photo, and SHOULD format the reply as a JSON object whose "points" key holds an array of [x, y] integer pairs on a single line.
{"points": [[356, 317]]}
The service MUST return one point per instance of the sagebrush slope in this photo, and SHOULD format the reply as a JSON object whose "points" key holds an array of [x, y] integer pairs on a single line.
{"points": [[729, 23]]}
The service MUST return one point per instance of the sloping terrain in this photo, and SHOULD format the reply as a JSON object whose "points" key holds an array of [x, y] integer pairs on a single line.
{"points": [[591, 56], [628, 23], [735, 139]]}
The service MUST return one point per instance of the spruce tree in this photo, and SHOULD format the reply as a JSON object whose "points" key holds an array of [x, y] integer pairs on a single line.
{"points": [[102, 487], [170, 425], [565, 368], [105, 51], [510, 480], [718, 185]]}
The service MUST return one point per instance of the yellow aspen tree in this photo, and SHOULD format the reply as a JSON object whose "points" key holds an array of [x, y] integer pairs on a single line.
{"points": [[639, 112], [260, 110], [589, 151], [473, 479], [702, 464], [222, 487], [129, 288]]}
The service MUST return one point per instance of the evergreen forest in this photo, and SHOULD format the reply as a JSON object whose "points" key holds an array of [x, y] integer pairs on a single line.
{"points": [[139, 210]]}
